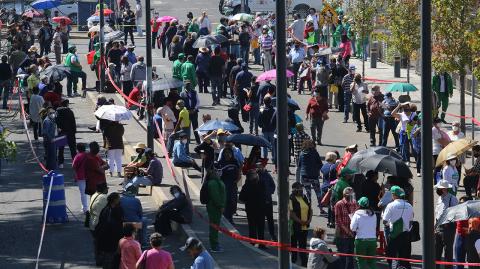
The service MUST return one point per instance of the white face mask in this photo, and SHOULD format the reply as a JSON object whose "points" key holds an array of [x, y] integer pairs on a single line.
{"points": [[453, 162], [176, 194], [455, 128], [184, 141]]}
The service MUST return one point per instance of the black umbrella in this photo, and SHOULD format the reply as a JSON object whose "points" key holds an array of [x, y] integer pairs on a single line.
{"points": [[166, 83], [220, 38], [386, 164], [56, 72], [463, 211], [249, 140], [113, 36], [205, 42], [354, 162]]}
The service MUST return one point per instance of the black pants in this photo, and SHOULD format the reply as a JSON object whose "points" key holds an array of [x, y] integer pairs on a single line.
{"points": [[372, 125], [400, 247], [470, 183], [37, 130], [341, 102], [128, 30], [72, 145], [127, 87], [154, 39], [164, 219], [163, 42], [444, 242], [295, 66], [256, 223], [270, 222], [356, 115], [299, 239], [194, 120]]}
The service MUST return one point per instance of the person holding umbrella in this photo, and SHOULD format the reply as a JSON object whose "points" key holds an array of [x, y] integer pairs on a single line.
{"points": [[450, 172], [444, 234]]}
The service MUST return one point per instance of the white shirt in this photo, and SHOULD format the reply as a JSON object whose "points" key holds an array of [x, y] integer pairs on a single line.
{"points": [[314, 19], [396, 210], [297, 27], [359, 97], [404, 118], [436, 147], [450, 174], [168, 118], [205, 23], [364, 224]]}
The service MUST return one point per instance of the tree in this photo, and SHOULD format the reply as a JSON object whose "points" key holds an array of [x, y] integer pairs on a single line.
{"points": [[363, 14], [452, 23], [403, 17]]}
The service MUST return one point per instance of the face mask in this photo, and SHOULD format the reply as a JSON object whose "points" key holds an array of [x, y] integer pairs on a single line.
{"points": [[176, 194], [453, 162], [455, 128], [51, 116], [184, 141], [221, 139]]}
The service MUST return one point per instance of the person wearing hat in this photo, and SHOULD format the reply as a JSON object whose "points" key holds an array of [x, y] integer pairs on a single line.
{"points": [[196, 250], [202, 63], [344, 237], [347, 93], [154, 171], [178, 209], [177, 67], [180, 155], [450, 172], [131, 54], [188, 71], [444, 234], [398, 215], [73, 63], [344, 181], [364, 224], [66, 125], [139, 160], [300, 215]]}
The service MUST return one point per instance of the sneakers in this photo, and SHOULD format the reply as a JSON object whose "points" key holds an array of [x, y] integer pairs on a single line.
{"points": [[60, 166], [419, 175], [119, 174], [217, 249]]}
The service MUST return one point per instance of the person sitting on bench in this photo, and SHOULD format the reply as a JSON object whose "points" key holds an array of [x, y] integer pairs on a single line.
{"points": [[153, 175], [180, 153], [178, 209]]}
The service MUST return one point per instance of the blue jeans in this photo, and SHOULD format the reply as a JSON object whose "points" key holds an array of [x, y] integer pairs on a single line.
{"points": [[5, 86], [216, 87], [347, 100], [345, 245], [244, 53], [235, 50], [256, 56], [404, 146], [253, 116], [270, 138], [390, 125], [460, 250]]}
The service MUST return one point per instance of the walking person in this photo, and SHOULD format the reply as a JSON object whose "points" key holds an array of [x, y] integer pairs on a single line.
{"points": [[113, 132], [67, 126], [344, 236], [347, 93], [364, 225], [317, 112], [375, 113], [301, 216], [155, 257], [358, 90]]}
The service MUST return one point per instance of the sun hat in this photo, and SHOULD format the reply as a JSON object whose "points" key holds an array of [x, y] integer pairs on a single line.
{"points": [[451, 156], [139, 146], [443, 184]]}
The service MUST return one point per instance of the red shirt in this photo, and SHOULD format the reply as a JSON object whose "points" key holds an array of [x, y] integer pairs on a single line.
{"points": [[53, 98], [155, 25], [93, 164], [462, 227], [343, 210], [130, 252], [79, 165], [315, 108], [134, 96]]}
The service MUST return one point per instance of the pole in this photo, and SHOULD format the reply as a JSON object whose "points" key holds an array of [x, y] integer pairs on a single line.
{"points": [[148, 37], [242, 6], [282, 136], [474, 91], [427, 166], [102, 47]]}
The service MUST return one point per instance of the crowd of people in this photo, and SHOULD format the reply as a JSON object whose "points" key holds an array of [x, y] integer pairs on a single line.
{"points": [[358, 207]]}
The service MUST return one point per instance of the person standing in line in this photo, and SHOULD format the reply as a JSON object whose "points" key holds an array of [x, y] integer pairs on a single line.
{"points": [[67, 126], [57, 45], [344, 236], [36, 104], [155, 257], [192, 104], [267, 121], [5, 80], [471, 175], [317, 112], [216, 70], [358, 91], [442, 85], [125, 70], [128, 248], [177, 67], [460, 246], [98, 202], [405, 117], [215, 206], [444, 234], [398, 215], [296, 28], [364, 224], [301, 216], [94, 168], [375, 113], [341, 73], [195, 249], [244, 40], [205, 25], [78, 165], [309, 164], [188, 71], [450, 172], [155, 27], [297, 55], [49, 129], [113, 133], [269, 183], [230, 175], [347, 93]]}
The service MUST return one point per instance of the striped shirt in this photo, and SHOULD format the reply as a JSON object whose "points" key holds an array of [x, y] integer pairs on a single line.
{"points": [[298, 139], [266, 41], [346, 82]]}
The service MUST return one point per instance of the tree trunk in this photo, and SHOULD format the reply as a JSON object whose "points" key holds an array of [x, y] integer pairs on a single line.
{"points": [[363, 58], [408, 69], [462, 101]]}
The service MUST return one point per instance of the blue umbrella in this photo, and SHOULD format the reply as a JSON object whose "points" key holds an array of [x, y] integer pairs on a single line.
{"points": [[46, 4], [249, 140], [216, 124], [291, 103]]}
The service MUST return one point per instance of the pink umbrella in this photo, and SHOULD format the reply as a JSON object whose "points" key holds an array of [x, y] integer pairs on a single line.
{"points": [[272, 75], [32, 13], [166, 19], [62, 20]]}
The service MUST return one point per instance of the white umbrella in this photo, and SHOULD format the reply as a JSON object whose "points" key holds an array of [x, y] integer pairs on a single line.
{"points": [[243, 17], [113, 113], [96, 28]]}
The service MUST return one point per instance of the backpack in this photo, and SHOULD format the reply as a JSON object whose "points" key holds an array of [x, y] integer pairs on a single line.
{"points": [[204, 193]]}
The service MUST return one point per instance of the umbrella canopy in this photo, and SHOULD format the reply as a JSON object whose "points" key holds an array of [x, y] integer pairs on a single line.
{"points": [[243, 17], [220, 38], [291, 103], [113, 36], [272, 75], [463, 211], [166, 19], [96, 28], [386, 164], [166, 84], [214, 125], [354, 162], [45, 4], [32, 13], [456, 147], [401, 87], [205, 42], [113, 113], [249, 140], [62, 20], [93, 18], [106, 12], [56, 72]]}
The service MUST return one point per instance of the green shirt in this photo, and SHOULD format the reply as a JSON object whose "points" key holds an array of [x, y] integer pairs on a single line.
{"points": [[32, 81], [193, 28], [177, 69], [69, 63], [338, 189], [188, 73], [216, 193]]}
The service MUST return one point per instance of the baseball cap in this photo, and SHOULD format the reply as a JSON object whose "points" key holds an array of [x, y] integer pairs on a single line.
{"points": [[351, 67], [190, 243], [363, 202], [397, 191]]}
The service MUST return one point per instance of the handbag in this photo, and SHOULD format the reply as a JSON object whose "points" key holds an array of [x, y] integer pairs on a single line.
{"points": [[247, 107], [415, 232], [326, 198], [60, 141]]}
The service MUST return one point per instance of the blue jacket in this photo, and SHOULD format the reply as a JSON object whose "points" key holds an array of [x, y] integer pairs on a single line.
{"points": [[202, 62], [49, 128], [180, 153], [267, 179], [132, 208], [309, 163], [267, 119]]}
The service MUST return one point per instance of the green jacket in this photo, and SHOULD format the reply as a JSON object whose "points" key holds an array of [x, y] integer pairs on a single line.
{"points": [[68, 63], [338, 189], [188, 73], [177, 69], [193, 28], [436, 83], [216, 193]]}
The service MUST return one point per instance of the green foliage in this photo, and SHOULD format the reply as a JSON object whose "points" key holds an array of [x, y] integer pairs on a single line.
{"points": [[8, 149], [363, 14], [474, 43], [452, 23], [403, 21], [334, 3]]}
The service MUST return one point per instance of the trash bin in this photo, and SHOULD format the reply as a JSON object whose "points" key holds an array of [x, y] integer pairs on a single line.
{"points": [[396, 66], [57, 209], [374, 54]]}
